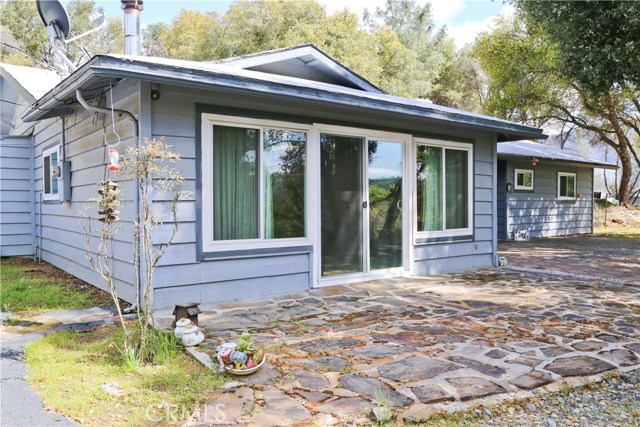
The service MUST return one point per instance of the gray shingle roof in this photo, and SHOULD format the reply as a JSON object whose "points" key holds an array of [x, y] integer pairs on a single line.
{"points": [[529, 149]]}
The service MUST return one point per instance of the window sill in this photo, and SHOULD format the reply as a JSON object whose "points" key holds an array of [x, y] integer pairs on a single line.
{"points": [[256, 252], [442, 239]]}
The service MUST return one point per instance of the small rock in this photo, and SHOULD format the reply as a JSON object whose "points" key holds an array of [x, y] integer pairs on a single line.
{"points": [[232, 384], [531, 407], [112, 388], [551, 422]]}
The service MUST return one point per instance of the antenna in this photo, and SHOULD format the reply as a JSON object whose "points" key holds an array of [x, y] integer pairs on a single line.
{"points": [[56, 20]]}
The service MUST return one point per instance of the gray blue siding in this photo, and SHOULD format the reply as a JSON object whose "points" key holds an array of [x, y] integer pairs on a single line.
{"points": [[540, 211], [59, 224], [16, 196]]}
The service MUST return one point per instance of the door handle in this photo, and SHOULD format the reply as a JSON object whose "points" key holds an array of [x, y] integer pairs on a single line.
{"points": [[365, 205], [399, 205]]}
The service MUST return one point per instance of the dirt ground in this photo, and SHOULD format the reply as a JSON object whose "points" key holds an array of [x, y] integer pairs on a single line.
{"points": [[630, 218]]}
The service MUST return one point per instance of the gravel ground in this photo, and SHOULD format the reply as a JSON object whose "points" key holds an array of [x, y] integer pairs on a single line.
{"points": [[614, 402]]}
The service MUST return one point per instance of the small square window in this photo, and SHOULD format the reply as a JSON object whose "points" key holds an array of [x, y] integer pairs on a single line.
{"points": [[51, 173], [524, 179], [566, 186]]}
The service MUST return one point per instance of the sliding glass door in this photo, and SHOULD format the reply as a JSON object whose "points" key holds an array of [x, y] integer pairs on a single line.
{"points": [[361, 204]]}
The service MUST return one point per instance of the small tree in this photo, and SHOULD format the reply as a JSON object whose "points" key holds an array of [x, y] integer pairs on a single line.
{"points": [[148, 164], [157, 183]]}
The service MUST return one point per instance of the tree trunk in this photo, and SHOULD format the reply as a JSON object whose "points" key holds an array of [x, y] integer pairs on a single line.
{"points": [[624, 190]]}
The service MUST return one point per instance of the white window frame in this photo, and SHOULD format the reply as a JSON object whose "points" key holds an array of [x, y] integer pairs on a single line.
{"points": [[522, 187], [444, 233], [210, 245], [575, 185], [47, 153]]}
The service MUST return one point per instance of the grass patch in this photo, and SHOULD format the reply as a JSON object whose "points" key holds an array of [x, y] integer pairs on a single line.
{"points": [[618, 232], [29, 286], [69, 370]]}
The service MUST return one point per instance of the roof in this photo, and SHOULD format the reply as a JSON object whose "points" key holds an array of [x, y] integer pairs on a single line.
{"points": [[93, 74], [529, 149], [307, 57], [34, 81]]}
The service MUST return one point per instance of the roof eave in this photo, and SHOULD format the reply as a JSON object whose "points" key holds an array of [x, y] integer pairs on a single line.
{"points": [[107, 67], [598, 165]]}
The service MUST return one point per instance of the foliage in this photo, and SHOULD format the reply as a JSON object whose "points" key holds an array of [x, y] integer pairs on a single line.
{"points": [[528, 84], [25, 40], [25, 291], [148, 165], [68, 369], [597, 42], [244, 343]]}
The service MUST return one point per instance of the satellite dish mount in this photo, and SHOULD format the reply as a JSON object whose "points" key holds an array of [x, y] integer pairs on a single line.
{"points": [[56, 20]]}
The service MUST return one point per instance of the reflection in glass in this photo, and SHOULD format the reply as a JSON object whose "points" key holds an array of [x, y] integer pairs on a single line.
{"points": [[385, 204], [457, 206], [284, 186], [341, 204]]}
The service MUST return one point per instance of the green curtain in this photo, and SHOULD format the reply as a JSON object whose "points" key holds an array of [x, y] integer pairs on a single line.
{"points": [[457, 203], [429, 188], [235, 183]]}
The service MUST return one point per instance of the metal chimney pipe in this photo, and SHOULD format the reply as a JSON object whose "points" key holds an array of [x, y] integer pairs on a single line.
{"points": [[132, 10]]}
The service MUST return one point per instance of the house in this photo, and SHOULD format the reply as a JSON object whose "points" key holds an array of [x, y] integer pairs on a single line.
{"points": [[299, 173], [19, 88], [544, 191]]}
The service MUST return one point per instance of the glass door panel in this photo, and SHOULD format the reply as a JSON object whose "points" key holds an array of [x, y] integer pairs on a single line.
{"points": [[385, 204], [341, 204]]}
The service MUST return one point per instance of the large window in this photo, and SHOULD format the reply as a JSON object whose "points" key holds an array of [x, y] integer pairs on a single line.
{"points": [[50, 173], [443, 188], [254, 179], [566, 186]]}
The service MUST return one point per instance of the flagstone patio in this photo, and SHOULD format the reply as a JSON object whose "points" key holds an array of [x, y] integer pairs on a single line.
{"points": [[419, 345]]}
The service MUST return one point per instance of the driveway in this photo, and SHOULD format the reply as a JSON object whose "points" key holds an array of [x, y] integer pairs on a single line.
{"points": [[588, 257], [419, 345]]}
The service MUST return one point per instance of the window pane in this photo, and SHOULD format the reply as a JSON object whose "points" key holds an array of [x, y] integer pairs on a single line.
{"points": [[571, 186], [429, 188], [284, 184], [235, 183], [563, 186], [520, 179], [527, 178], [457, 200], [46, 176], [54, 179]]}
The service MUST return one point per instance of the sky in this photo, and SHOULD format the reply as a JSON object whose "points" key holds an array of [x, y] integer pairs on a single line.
{"points": [[463, 18]]}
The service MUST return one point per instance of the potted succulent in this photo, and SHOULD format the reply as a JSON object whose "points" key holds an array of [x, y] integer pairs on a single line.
{"points": [[240, 358]]}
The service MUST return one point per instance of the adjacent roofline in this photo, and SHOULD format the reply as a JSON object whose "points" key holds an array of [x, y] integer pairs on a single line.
{"points": [[545, 152], [266, 57], [225, 78]]}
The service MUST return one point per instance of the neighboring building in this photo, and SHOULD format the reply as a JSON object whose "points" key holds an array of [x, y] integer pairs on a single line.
{"points": [[19, 88], [544, 191], [299, 173]]}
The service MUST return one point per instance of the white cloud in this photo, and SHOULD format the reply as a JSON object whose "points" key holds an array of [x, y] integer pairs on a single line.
{"points": [[444, 10], [467, 31]]}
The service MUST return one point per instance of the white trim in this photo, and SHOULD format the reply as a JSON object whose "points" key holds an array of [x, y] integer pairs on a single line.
{"points": [[575, 185], [470, 189], [515, 179], [210, 245], [47, 154]]}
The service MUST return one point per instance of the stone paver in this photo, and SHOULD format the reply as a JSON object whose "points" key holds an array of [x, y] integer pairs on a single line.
{"points": [[587, 256], [423, 344]]}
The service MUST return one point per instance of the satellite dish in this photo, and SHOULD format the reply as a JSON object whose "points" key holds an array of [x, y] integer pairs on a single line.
{"points": [[53, 14]]}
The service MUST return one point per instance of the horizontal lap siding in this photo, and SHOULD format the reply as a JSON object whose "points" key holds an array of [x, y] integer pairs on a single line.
{"points": [[540, 211], [60, 227], [438, 258], [16, 197], [181, 277]]}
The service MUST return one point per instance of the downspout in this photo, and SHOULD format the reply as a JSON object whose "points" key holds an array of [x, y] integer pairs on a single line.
{"points": [[136, 135]]}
